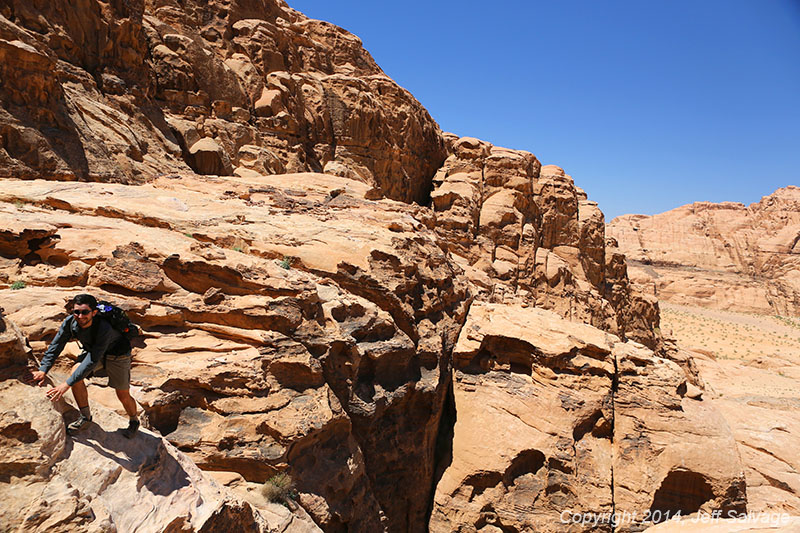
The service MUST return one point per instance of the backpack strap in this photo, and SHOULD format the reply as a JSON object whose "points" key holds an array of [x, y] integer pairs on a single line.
{"points": [[73, 330]]}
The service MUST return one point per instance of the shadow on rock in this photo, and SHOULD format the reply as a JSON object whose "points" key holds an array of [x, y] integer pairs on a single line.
{"points": [[145, 454]]}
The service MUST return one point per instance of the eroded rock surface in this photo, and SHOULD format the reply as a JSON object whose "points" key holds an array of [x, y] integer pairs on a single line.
{"points": [[555, 416], [525, 234], [127, 91], [476, 361], [725, 256], [758, 398], [99, 480], [291, 325]]}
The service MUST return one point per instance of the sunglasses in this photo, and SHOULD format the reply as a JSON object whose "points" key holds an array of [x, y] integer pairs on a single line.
{"points": [[84, 312]]}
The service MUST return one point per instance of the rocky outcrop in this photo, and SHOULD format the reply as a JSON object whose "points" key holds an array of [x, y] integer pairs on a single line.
{"points": [[126, 91], [435, 333], [725, 256], [291, 325], [101, 481], [525, 234], [758, 399], [13, 350], [556, 418]]}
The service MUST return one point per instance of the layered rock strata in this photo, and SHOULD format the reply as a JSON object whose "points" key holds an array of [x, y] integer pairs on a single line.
{"points": [[764, 416], [101, 481], [524, 233], [425, 332], [291, 325], [556, 419], [125, 91], [724, 256]]}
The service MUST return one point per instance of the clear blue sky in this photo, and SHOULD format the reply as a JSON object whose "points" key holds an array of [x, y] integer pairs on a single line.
{"points": [[648, 104]]}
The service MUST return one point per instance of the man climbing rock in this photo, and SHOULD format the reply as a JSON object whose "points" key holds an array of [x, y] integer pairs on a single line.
{"points": [[100, 342]]}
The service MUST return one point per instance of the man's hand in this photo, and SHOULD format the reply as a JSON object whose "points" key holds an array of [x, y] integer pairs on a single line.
{"points": [[57, 392], [37, 376]]}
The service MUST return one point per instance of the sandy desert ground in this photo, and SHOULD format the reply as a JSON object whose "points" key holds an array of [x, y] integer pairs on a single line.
{"points": [[751, 368], [769, 343]]}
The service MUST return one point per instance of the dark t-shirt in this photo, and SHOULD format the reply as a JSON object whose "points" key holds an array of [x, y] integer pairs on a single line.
{"points": [[97, 341]]}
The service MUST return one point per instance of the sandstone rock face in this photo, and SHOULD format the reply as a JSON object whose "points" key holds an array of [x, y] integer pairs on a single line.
{"points": [[125, 91], [660, 414], [291, 325], [555, 416], [724, 256], [101, 481], [13, 353], [208, 157], [525, 234], [477, 361]]}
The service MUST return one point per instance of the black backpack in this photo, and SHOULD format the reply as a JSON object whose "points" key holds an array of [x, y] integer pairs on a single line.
{"points": [[118, 319]]}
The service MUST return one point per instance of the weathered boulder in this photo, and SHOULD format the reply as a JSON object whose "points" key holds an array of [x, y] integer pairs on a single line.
{"points": [[13, 352], [208, 157]]}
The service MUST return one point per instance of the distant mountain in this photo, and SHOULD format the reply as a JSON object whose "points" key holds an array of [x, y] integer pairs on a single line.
{"points": [[725, 256]]}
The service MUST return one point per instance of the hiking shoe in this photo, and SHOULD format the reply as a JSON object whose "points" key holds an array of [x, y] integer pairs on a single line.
{"points": [[130, 431], [79, 424]]}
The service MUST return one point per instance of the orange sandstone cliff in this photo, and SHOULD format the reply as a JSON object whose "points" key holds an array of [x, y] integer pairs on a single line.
{"points": [[724, 256]]}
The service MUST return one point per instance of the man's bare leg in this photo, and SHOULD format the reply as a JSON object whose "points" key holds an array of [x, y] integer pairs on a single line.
{"points": [[127, 401], [79, 392], [124, 396], [82, 399]]}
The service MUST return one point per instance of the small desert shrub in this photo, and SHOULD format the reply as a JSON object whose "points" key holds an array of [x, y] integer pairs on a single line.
{"points": [[286, 262], [17, 285], [278, 489]]}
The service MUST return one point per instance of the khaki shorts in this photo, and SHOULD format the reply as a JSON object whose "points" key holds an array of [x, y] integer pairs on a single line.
{"points": [[118, 368]]}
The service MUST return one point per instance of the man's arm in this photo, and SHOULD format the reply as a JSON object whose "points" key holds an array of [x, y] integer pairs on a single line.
{"points": [[106, 335], [63, 336]]}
